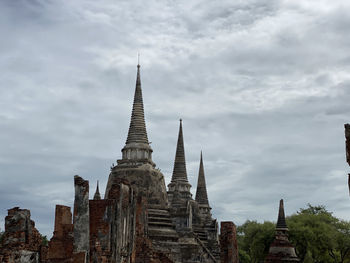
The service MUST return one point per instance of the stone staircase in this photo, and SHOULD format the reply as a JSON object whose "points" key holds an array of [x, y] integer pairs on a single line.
{"points": [[213, 246], [201, 233], [160, 225]]}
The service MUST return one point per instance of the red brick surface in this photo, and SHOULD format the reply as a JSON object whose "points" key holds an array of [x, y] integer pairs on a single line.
{"points": [[61, 244], [20, 234], [228, 243]]}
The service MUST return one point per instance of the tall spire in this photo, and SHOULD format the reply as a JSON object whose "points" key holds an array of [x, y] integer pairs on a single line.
{"points": [[97, 195], [137, 130], [179, 172], [179, 187], [201, 193], [281, 221], [137, 149]]}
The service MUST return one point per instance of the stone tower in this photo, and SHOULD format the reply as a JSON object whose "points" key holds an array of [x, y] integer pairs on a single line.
{"points": [[179, 187], [201, 193], [281, 250], [136, 164]]}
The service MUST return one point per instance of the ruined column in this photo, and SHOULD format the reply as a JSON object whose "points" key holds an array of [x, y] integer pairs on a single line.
{"points": [[81, 218], [61, 244], [228, 243], [347, 136]]}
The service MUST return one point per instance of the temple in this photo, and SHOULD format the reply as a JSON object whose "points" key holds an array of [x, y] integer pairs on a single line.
{"points": [[137, 220], [281, 250]]}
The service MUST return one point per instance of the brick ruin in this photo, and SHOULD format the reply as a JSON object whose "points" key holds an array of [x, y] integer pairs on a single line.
{"points": [[347, 148], [21, 242], [136, 221]]}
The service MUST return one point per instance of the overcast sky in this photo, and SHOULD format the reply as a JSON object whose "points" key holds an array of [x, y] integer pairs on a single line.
{"points": [[262, 86]]}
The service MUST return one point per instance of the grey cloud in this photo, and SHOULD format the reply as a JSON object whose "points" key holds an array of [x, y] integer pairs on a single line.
{"points": [[262, 87]]}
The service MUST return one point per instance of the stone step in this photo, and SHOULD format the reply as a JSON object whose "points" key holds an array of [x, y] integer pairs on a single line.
{"points": [[199, 231], [161, 224], [159, 212], [157, 233]]}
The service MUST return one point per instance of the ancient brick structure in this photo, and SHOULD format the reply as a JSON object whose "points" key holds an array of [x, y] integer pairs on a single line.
{"points": [[138, 220], [228, 242], [61, 244], [21, 241], [281, 250], [347, 149], [347, 136]]}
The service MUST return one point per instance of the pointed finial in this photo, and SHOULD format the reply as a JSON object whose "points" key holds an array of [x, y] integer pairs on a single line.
{"points": [[97, 195], [137, 129], [179, 171], [201, 193], [281, 221], [138, 60]]}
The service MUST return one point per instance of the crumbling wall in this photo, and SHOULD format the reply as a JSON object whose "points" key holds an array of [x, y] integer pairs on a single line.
{"points": [[61, 244], [81, 217], [21, 241], [228, 243], [100, 230]]}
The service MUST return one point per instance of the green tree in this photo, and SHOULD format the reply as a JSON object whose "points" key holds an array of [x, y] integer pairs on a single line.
{"points": [[320, 236], [312, 232], [44, 241], [342, 241], [317, 235], [254, 240]]}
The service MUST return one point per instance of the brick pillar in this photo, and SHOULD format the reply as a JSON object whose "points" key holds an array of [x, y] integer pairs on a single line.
{"points": [[228, 243], [61, 244], [347, 136], [81, 217]]}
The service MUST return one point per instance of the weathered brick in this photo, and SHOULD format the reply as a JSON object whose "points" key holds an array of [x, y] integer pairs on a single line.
{"points": [[228, 243]]}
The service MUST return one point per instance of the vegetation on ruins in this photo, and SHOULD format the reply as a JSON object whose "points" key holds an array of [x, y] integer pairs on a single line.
{"points": [[44, 241], [317, 235]]}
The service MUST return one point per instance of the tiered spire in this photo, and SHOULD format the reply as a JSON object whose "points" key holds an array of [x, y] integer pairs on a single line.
{"points": [[97, 195], [137, 130], [281, 250], [179, 172], [281, 221], [137, 149], [179, 187], [201, 193]]}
